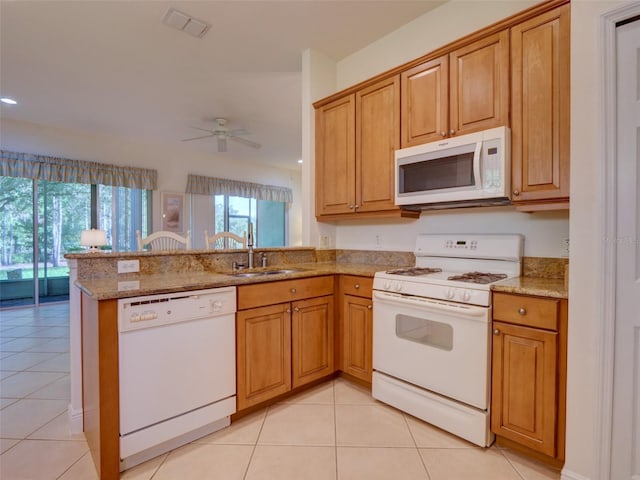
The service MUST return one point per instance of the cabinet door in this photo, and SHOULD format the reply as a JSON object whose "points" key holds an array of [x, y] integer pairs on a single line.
{"points": [[425, 102], [479, 85], [540, 104], [263, 353], [312, 344], [377, 139], [524, 386], [357, 315], [335, 157]]}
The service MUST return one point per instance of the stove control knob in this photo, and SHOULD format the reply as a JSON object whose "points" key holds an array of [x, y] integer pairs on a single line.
{"points": [[387, 285], [451, 293], [465, 295], [397, 286]]}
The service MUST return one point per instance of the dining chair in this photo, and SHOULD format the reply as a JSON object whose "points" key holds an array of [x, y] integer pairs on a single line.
{"points": [[164, 240], [225, 240]]}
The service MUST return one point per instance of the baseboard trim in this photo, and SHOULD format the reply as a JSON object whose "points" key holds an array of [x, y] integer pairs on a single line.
{"points": [[76, 420], [569, 475]]}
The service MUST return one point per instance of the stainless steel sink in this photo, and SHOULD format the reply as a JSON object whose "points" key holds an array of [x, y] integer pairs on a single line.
{"points": [[266, 272]]}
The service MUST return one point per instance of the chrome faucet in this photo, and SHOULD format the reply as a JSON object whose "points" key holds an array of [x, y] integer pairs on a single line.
{"points": [[250, 246]]}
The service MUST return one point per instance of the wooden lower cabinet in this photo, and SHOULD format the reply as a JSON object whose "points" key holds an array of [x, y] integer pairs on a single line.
{"points": [[263, 353], [355, 336], [528, 386], [312, 339], [285, 345], [524, 386]]}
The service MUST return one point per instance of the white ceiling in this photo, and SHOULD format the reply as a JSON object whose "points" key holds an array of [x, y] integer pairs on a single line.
{"points": [[114, 68]]}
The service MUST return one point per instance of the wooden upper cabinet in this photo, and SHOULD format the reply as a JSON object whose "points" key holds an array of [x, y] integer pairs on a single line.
{"points": [[540, 57], [425, 102], [462, 92], [335, 157], [479, 85], [377, 139]]}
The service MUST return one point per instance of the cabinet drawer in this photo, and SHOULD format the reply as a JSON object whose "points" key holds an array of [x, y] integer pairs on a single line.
{"points": [[358, 286], [524, 310], [259, 294]]}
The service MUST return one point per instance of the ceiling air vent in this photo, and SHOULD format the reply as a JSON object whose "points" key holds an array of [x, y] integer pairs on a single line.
{"points": [[185, 23]]}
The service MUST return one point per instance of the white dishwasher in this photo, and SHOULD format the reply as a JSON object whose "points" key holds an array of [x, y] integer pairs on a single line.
{"points": [[177, 369]]}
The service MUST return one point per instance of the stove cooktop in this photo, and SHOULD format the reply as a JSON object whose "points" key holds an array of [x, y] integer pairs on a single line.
{"points": [[414, 271], [478, 277]]}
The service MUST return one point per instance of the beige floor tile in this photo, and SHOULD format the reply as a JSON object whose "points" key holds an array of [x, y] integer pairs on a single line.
{"points": [[465, 463], [26, 416], [56, 345], [241, 432], [5, 402], [24, 383], [58, 390], [529, 468], [359, 463], [59, 363], [51, 332], [298, 424], [22, 331], [23, 344], [5, 374], [322, 394], [145, 470], [371, 426], [6, 444], [56, 429], [429, 436], [40, 459], [349, 394], [83, 469], [271, 462], [22, 361], [205, 462]]}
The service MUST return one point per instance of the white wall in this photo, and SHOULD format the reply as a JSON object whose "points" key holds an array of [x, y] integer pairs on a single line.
{"points": [[173, 165]]}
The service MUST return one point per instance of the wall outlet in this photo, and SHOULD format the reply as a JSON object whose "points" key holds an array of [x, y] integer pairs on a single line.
{"points": [[128, 266], [565, 247]]}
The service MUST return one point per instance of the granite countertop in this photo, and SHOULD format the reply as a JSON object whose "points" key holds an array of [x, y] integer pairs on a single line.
{"points": [[543, 287], [134, 284]]}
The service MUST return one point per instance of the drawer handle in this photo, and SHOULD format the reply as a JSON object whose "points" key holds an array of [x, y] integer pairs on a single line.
{"points": [[293, 290], [356, 285], [522, 311], [296, 309], [369, 307], [496, 332]]}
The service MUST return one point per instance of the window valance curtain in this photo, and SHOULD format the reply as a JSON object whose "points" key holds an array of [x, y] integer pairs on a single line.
{"points": [[54, 169], [222, 186]]}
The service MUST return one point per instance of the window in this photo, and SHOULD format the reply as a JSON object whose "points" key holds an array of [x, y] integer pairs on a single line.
{"points": [[122, 211], [233, 214]]}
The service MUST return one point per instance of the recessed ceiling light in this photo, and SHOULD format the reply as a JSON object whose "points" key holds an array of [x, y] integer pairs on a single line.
{"points": [[299, 161], [8, 101]]}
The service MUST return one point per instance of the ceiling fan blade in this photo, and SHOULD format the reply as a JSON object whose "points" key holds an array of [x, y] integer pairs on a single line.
{"points": [[234, 133], [244, 141], [198, 138], [203, 129], [222, 143]]}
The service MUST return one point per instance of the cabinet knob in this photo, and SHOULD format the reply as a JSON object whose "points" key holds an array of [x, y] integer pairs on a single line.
{"points": [[496, 331], [293, 290], [443, 134], [452, 131], [516, 193], [288, 310], [357, 285], [356, 206], [296, 309], [369, 307], [522, 311]]}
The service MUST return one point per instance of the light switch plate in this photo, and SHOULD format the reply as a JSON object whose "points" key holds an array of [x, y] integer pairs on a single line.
{"points": [[128, 266]]}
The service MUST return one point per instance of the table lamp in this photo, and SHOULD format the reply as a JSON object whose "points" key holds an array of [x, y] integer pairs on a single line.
{"points": [[93, 239]]}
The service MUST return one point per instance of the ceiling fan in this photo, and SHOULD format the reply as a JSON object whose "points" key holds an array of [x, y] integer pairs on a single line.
{"points": [[222, 133]]}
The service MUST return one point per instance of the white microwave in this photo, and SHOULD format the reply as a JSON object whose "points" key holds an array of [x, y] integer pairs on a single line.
{"points": [[464, 171]]}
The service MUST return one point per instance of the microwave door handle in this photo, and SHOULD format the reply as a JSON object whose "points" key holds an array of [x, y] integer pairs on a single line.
{"points": [[476, 164]]}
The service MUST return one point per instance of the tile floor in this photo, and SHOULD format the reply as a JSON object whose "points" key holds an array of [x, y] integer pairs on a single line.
{"points": [[333, 431]]}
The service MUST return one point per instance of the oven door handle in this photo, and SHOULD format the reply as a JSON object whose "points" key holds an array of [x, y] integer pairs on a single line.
{"points": [[461, 310]]}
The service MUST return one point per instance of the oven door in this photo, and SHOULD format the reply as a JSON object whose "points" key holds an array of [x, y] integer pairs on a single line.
{"points": [[440, 346]]}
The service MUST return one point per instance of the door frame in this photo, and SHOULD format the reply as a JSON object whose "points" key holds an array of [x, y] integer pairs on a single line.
{"points": [[609, 247]]}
